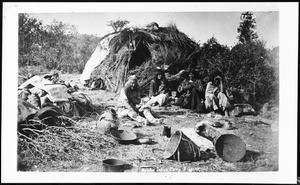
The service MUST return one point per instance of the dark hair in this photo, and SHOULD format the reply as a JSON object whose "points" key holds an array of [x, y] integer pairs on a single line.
{"points": [[164, 80], [215, 74], [159, 72], [194, 72], [217, 79]]}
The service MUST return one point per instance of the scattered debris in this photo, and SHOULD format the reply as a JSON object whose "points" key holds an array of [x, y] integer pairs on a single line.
{"points": [[208, 150], [147, 169], [95, 83], [259, 120], [226, 124], [144, 140], [181, 116], [25, 109], [228, 146], [241, 109]]}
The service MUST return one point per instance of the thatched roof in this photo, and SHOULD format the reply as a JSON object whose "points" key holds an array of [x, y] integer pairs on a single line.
{"points": [[139, 51]]}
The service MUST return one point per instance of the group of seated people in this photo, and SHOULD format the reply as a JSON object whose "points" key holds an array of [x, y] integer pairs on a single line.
{"points": [[190, 94]]}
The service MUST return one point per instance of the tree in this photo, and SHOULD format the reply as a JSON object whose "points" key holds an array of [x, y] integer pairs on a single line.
{"points": [[247, 28], [118, 25], [57, 50], [83, 46], [213, 57], [54, 46], [31, 33], [273, 63], [250, 70]]}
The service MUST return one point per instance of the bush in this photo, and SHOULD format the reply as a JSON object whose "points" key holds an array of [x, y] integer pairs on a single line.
{"points": [[249, 66], [55, 46], [250, 70]]}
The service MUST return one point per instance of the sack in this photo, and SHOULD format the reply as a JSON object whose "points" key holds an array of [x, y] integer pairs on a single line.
{"points": [[69, 108], [25, 109], [50, 116], [83, 100]]}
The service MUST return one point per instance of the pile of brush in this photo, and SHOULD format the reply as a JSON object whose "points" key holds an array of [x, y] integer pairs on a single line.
{"points": [[77, 144]]}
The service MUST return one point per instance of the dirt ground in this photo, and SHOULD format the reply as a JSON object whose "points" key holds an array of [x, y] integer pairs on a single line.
{"points": [[261, 141]]}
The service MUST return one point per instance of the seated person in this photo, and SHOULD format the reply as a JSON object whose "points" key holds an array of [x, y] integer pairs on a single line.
{"points": [[191, 94], [129, 100], [215, 97], [159, 91]]}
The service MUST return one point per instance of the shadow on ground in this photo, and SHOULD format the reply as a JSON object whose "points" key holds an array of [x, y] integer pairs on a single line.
{"points": [[128, 167], [170, 113], [250, 156]]}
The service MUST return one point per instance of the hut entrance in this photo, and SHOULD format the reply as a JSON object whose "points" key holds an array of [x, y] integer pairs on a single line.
{"points": [[139, 56]]}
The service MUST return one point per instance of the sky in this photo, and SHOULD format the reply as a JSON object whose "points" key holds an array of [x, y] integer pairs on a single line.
{"points": [[197, 25]]}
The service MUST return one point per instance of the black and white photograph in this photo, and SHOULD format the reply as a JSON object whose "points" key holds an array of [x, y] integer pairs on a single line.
{"points": [[150, 92]]}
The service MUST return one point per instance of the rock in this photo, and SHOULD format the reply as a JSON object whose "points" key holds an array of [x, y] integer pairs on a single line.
{"points": [[260, 163], [227, 125], [216, 124], [260, 169], [144, 140], [147, 169], [237, 111], [240, 109], [248, 109], [218, 116], [265, 108]]}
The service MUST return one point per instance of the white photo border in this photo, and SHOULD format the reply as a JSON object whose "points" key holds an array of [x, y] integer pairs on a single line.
{"points": [[288, 35]]}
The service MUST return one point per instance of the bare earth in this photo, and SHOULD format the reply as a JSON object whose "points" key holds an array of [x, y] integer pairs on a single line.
{"points": [[261, 141]]}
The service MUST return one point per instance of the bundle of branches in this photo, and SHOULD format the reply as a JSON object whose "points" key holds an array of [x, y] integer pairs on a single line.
{"points": [[133, 35], [77, 144]]}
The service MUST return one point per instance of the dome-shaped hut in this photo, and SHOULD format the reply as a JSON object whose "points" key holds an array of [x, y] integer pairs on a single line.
{"points": [[140, 51]]}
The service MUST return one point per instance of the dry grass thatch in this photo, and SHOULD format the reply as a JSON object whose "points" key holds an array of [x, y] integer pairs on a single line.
{"points": [[138, 51]]}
